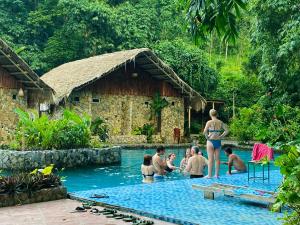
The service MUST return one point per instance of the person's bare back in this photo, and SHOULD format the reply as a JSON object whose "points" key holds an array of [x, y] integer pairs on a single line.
{"points": [[237, 163]]}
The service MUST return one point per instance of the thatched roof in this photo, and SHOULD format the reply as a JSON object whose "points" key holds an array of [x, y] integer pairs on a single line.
{"points": [[77, 74], [18, 68]]}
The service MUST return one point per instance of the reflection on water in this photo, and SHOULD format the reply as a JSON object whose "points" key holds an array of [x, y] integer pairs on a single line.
{"points": [[128, 172]]}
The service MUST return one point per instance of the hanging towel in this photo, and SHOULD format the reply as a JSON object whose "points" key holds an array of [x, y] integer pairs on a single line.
{"points": [[262, 150]]}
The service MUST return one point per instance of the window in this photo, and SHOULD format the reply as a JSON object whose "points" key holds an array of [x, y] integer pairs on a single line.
{"points": [[76, 99], [96, 100], [14, 97], [173, 103]]}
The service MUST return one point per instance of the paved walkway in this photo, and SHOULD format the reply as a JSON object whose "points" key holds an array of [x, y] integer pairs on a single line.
{"points": [[57, 213]]}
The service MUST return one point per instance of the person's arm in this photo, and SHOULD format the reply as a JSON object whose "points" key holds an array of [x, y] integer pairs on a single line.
{"points": [[161, 162], [189, 166], [230, 162], [226, 130], [170, 165]]}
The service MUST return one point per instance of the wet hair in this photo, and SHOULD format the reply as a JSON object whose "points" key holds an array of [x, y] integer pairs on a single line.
{"points": [[196, 149], [147, 160], [169, 156], [160, 148], [213, 112], [228, 150]]}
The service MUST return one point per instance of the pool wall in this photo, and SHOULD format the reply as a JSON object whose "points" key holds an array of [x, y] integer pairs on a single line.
{"points": [[27, 160]]}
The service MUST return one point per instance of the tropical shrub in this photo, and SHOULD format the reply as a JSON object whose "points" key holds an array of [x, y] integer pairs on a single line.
{"points": [[71, 131], [274, 124], [146, 129], [195, 128], [29, 182], [99, 128], [288, 194]]}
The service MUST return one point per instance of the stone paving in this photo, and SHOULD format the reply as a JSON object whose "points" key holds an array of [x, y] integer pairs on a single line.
{"points": [[57, 213]]}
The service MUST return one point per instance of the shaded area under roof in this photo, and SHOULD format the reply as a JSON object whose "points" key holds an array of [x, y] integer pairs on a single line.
{"points": [[19, 69], [77, 74]]}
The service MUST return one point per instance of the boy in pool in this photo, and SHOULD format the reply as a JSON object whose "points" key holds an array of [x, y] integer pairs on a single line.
{"points": [[235, 161], [159, 163]]}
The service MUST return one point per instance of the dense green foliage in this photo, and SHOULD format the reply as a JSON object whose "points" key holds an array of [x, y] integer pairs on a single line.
{"points": [[185, 59], [71, 131], [289, 190], [29, 182], [147, 129], [57, 31], [273, 125], [276, 45], [99, 128], [208, 16]]}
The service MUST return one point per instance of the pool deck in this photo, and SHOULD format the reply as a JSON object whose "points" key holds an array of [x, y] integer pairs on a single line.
{"points": [[177, 202], [56, 213]]}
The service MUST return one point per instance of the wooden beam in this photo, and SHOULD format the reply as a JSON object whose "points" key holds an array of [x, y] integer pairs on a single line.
{"points": [[28, 82], [176, 81], [156, 69], [18, 73], [9, 65]]}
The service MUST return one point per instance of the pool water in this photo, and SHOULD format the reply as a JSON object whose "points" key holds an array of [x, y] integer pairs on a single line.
{"points": [[128, 172]]}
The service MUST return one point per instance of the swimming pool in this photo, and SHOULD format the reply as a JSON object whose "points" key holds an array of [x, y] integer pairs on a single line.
{"points": [[128, 172]]}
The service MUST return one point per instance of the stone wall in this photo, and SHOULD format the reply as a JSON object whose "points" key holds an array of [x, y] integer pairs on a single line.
{"points": [[83, 105], [28, 160], [128, 139], [122, 113], [125, 113], [43, 195], [172, 117], [8, 118]]}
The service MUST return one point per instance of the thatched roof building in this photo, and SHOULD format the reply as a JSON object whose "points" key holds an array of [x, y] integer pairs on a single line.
{"points": [[77, 74]]}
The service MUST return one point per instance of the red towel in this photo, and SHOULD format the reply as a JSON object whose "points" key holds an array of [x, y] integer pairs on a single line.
{"points": [[262, 150]]}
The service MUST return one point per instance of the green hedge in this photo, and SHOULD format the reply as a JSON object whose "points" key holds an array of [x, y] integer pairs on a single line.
{"points": [[70, 131]]}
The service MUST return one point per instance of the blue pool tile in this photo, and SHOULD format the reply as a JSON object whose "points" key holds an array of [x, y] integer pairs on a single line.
{"points": [[176, 201]]}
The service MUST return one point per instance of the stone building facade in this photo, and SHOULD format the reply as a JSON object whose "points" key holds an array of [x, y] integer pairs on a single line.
{"points": [[20, 88], [119, 87], [9, 101]]}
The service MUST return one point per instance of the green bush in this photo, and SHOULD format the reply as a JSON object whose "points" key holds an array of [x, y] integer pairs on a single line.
{"points": [[275, 124], [71, 131], [288, 194], [99, 128], [195, 128], [146, 129]]}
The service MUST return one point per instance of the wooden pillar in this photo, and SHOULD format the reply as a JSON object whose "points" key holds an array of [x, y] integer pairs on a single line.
{"points": [[130, 117], [189, 117]]}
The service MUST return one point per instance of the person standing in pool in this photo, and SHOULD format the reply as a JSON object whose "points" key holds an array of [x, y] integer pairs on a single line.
{"points": [[214, 131], [159, 163], [147, 169], [184, 161], [170, 163], [196, 164], [235, 161]]}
